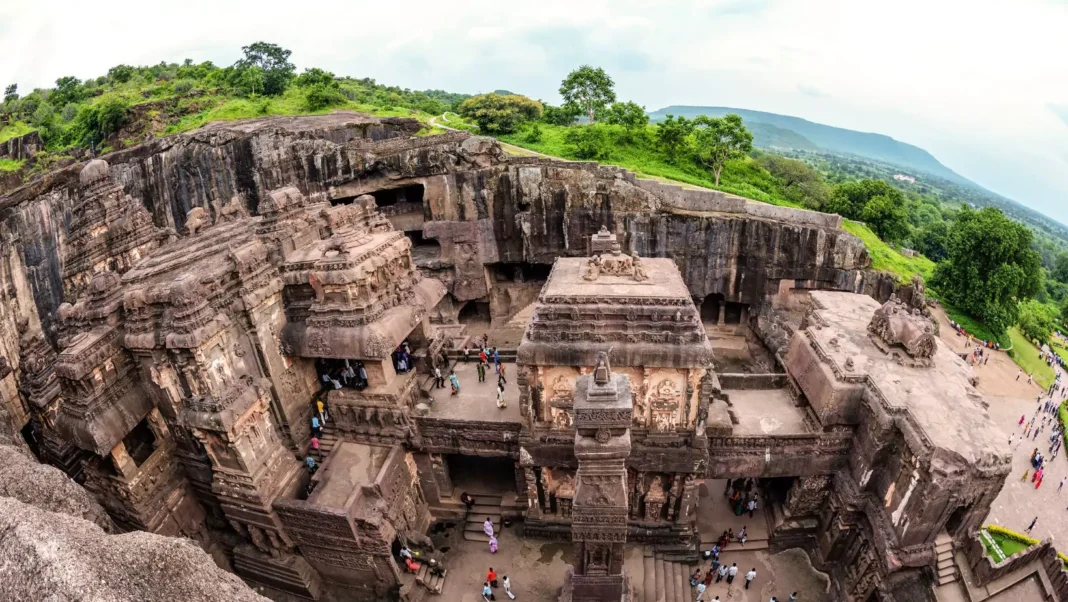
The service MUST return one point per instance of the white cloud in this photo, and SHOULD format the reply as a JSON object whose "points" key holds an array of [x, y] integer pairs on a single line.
{"points": [[971, 81]]}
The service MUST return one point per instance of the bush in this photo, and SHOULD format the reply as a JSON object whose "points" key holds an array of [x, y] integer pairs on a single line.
{"points": [[534, 135], [320, 96], [69, 112], [496, 114], [590, 141], [183, 86], [96, 122]]}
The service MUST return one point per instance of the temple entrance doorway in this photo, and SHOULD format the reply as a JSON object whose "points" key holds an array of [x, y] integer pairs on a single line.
{"points": [[710, 308], [477, 474], [956, 520]]}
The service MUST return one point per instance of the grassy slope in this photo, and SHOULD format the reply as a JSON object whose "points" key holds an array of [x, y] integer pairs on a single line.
{"points": [[742, 177], [887, 259], [1026, 355], [9, 165], [975, 327], [14, 130]]}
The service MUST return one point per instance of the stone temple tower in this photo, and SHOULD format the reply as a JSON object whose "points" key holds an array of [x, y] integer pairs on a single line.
{"points": [[603, 411]]}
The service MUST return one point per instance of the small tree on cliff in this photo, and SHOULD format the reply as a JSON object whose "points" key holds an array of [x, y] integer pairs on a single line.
{"points": [[717, 139], [673, 136], [588, 88], [497, 114]]}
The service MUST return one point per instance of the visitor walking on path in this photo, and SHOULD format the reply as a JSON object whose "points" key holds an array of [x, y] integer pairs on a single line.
{"points": [[319, 453], [732, 573], [722, 573], [1031, 526], [491, 577], [500, 396], [455, 382], [439, 380], [487, 527], [322, 410], [493, 544], [317, 430], [497, 360], [793, 597], [487, 593], [749, 577], [500, 373], [701, 587], [507, 587], [481, 368], [751, 506]]}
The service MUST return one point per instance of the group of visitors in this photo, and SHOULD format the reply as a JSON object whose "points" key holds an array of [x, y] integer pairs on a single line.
{"points": [[979, 356], [741, 496], [491, 583], [402, 358], [718, 571], [961, 332], [335, 374]]}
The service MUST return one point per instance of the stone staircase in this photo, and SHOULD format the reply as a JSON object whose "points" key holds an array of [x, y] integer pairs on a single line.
{"points": [[661, 580], [947, 566], [433, 583], [327, 441], [486, 506]]}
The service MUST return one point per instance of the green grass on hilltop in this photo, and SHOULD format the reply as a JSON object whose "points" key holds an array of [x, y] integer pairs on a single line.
{"points": [[887, 259], [742, 177], [1027, 356]]}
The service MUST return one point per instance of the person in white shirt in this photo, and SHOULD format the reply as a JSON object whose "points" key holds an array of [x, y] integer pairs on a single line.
{"points": [[732, 573], [701, 591], [749, 577]]}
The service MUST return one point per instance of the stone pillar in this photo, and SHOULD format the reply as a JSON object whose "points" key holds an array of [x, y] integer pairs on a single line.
{"points": [[806, 495], [722, 313], [603, 410], [688, 507]]}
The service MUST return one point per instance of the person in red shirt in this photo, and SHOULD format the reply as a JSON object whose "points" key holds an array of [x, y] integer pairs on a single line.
{"points": [[491, 576]]}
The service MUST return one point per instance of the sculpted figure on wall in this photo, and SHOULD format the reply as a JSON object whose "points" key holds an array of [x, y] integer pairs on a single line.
{"points": [[655, 498], [664, 403], [562, 389]]}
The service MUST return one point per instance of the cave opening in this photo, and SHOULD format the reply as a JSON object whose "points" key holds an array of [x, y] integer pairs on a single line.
{"points": [[425, 251], [140, 442], [710, 308], [474, 312], [520, 272]]}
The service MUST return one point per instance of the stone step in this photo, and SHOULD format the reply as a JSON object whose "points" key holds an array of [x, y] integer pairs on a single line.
{"points": [[947, 572], [669, 581], [475, 526], [484, 509], [661, 592], [945, 562], [943, 537], [682, 582], [944, 546], [947, 579], [649, 564]]}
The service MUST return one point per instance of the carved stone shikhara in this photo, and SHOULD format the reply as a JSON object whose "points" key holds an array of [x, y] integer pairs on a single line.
{"points": [[896, 325]]}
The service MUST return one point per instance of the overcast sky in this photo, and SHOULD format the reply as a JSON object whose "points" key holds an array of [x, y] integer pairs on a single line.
{"points": [[981, 85]]}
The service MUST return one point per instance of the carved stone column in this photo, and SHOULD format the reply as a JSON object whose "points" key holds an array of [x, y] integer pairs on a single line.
{"points": [[673, 495], [603, 411], [688, 507], [806, 495]]}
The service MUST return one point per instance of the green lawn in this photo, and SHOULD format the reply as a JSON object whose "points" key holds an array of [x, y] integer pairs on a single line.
{"points": [[1007, 546], [1026, 356], [975, 327], [887, 259], [742, 176]]}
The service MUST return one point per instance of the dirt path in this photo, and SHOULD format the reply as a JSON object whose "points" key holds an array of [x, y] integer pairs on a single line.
{"points": [[997, 377]]}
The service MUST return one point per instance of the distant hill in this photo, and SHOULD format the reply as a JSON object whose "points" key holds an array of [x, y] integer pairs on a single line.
{"points": [[827, 138]]}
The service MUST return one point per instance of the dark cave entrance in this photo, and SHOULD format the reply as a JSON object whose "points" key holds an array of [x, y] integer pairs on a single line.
{"points": [[425, 251], [474, 312], [733, 312], [956, 520], [403, 205], [710, 308], [520, 272], [140, 442], [478, 474]]}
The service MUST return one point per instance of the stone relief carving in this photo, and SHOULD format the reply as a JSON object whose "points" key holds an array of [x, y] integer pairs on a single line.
{"points": [[664, 404]]}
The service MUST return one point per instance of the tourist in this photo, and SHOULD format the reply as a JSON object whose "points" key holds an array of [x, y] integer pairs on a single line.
{"points": [[316, 429], [721, 573], [439, 380], [1031, 526], [701, 587], [1022, 418], [508, 587], [695, 577], [730, 534], [500, 396], [491, 576], [711, 574], [481, 369], [1038, 483], [493, 544], [322, 410], [792, 598], [455, 382], [1019, 374], [487, 527], [487, 593], [732, 573], [723, 541], [496, 360], [482, 359], [319, 453], [742, 535], [467, 500], [751, 506], [749, 577], [310, 462], [500, 374], [1029, 376]]}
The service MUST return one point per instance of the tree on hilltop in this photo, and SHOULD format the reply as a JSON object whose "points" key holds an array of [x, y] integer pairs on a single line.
{"points": [[588, 88], [628, 114], [717, 139], [11, 93], [272, 60], [672, 135], [496, 114], [990, 266]]}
